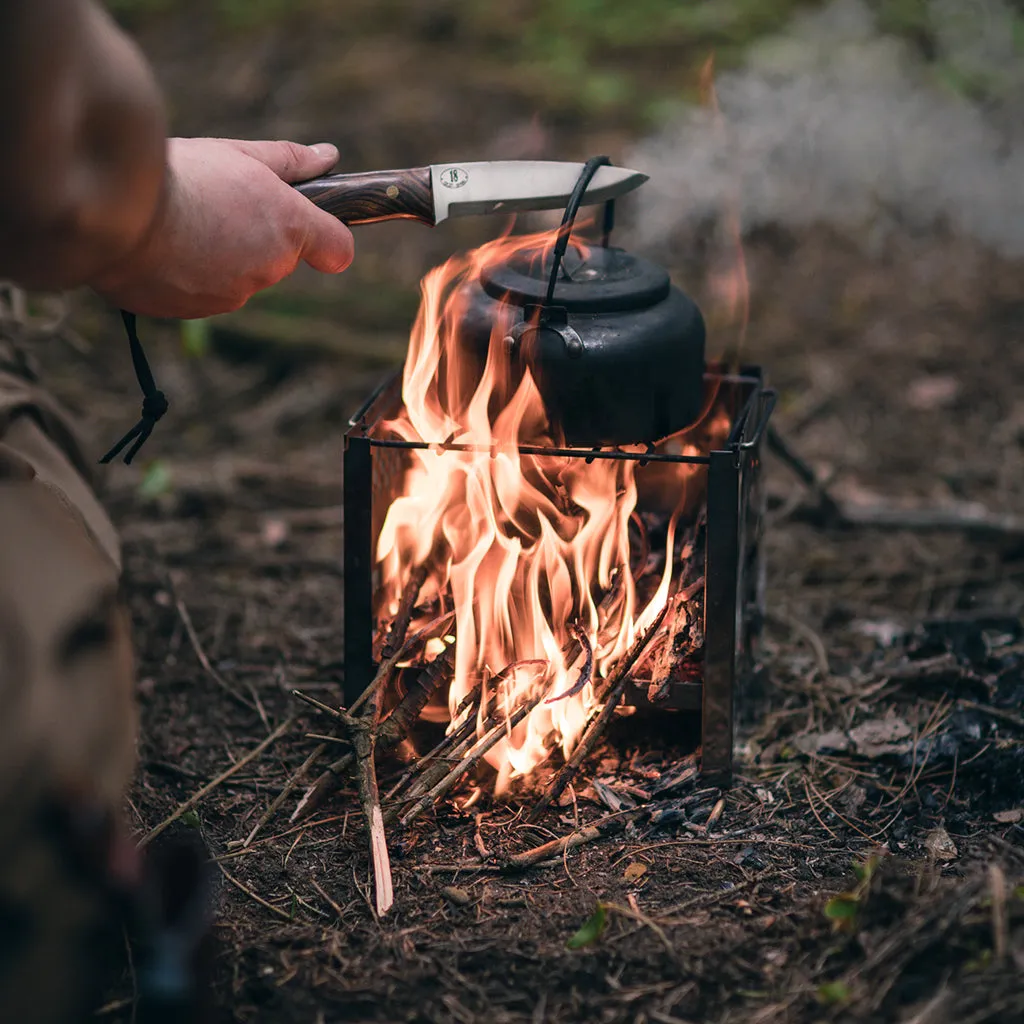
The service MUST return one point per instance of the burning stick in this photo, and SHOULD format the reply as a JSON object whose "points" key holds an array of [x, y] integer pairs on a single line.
{"points": [[613, 694], [436, 627], [588, 663], [645, 545], [472, 758], [407, 711], [396, 636]]}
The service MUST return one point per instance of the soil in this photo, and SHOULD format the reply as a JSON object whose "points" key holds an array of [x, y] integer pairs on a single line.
{"points": [[899, 369]]}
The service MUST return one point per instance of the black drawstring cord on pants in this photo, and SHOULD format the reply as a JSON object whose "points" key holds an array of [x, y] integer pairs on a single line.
{"points": [[154, 401]]}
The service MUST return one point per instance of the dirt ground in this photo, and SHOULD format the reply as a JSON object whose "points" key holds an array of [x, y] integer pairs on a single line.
{"points": [[868, 863]]}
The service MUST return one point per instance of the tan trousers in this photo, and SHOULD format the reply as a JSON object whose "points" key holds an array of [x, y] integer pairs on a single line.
{"points": [[67, 718]]}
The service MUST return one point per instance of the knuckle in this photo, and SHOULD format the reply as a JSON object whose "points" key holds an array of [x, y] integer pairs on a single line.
{"points": [[294, 156]]}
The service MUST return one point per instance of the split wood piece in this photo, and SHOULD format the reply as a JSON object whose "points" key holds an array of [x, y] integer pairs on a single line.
{"points": [[612, 695], [400, 626], [361, 733], [471, 760], [407, 711], [664, 657], [390, 733]]}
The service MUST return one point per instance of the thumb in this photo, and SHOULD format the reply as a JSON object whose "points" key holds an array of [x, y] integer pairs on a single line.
{"points": [[329, 246], [291, 161]]}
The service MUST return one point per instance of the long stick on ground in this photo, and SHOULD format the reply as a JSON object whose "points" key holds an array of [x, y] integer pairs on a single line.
{"points": [[286, 792], [606, 826], [613, 694], [223, 777]]}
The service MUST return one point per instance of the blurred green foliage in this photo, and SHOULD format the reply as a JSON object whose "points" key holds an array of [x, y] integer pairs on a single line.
{"points": [[592, 56]]}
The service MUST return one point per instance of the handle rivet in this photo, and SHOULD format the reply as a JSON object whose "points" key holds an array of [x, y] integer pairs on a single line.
{"points": [[392, 191]]}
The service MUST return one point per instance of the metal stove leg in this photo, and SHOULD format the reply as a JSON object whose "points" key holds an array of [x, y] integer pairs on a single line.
{"points": [[358, 586], [721, 615]]}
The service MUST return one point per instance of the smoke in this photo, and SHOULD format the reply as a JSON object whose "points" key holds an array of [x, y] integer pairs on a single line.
{"points": [[836, 122]]}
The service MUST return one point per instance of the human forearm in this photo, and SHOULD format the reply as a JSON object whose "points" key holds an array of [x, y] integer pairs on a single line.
{"points": [[82, 133]]}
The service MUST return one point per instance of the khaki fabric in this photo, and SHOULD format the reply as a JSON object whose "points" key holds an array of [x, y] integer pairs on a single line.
{"points": [[67, 717]]}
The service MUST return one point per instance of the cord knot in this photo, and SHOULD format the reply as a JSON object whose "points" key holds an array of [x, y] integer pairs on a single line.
{"points": [[154, 401]]}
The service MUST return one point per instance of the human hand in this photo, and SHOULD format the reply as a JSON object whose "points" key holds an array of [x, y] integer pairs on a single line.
{"points": [[230, 225]]}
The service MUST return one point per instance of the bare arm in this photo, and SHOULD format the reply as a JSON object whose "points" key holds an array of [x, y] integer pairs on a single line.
{"points": [[82, 133]]}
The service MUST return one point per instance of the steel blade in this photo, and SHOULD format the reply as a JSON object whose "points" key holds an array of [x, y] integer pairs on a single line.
{"points": [[497, 186]]}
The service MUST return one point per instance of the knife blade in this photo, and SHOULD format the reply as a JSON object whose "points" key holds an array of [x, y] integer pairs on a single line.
{"points": [[433, 194]]}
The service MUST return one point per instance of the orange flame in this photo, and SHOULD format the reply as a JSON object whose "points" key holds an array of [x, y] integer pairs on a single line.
{"points": [[530, 550]]}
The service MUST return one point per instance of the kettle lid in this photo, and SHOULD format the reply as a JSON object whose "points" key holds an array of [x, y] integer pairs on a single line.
{"points": [[591, 280]]}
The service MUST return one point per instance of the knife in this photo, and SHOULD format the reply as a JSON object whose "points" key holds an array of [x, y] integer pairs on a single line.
{"points": [[432, 194]]}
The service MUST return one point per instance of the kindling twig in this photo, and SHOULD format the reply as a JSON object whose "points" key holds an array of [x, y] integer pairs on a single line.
{"points": [[605, 826], [197, 647], [451, 739], [612, 695], [969, 518]]}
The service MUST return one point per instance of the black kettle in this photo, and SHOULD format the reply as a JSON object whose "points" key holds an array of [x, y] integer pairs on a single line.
{"points": [[616, 350]]}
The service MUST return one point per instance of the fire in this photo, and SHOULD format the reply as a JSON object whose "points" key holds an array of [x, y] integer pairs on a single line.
{"points": [[532, 552]]}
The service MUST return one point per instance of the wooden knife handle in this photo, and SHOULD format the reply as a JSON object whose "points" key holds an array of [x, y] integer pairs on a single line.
{"points": [[374, 195]]}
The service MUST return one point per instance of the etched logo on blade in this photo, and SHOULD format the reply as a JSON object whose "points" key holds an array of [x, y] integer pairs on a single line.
{"points": [[454, 177]]}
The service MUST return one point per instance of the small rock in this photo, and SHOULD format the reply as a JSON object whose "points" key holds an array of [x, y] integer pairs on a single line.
{"points": [[932, 392], [454, 894], [939, 844], [274, 532]]}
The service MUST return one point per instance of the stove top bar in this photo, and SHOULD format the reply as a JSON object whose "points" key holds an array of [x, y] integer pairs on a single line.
{"points": [[734, 579]]}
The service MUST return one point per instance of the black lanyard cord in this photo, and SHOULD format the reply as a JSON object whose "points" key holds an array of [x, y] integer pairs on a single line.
{"points": [[154, 401]]}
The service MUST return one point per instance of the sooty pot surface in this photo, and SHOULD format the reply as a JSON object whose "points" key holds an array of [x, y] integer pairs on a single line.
{"points": [[618, 353]]}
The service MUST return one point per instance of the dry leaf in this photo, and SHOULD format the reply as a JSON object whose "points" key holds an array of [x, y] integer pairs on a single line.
{"points": [[1009, 817], [882, 736], [634, 871]]}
